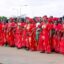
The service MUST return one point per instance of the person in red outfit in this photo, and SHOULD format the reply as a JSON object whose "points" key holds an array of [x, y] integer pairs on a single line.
{"points": [[44, 43], [31, 34], [55, 42], [62, 40], [61, 45], [54, 34], [11, 32], [24, 39], [6, 32], [21, 40], [2, 34], [18, 36], [59, 29]]}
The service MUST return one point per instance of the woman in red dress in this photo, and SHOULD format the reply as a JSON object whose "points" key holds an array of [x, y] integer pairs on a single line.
{"points": [[31, 34], [2, 34], [18, 36], [62, 40], [44, 43], [61, 49], [11, 32]]}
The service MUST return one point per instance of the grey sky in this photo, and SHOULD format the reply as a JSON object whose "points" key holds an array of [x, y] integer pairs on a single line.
{"points": [[32, 7]]}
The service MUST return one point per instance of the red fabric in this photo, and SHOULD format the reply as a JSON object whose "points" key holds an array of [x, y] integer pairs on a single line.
{"points": [[50, 19], [62, 45], [58, 44], [2, 34], [18, 37], [59, 27], [55, 43], [43, 43], [22, 36], [11, 34], [55, 19], [49, 26], [55, 27], [31, 36], [6, 32]]}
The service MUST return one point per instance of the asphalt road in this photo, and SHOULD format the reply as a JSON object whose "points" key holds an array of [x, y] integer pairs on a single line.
{"points": [[10, 55]]}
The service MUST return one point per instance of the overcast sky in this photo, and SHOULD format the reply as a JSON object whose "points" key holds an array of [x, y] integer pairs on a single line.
{"points": [[31, 7]]}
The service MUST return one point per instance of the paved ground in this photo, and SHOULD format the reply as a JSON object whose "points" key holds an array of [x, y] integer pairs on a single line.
{"points": [[20, 56]]}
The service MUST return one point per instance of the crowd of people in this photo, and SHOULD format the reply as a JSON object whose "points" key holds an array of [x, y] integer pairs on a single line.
{"points": [[43, 34]]}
